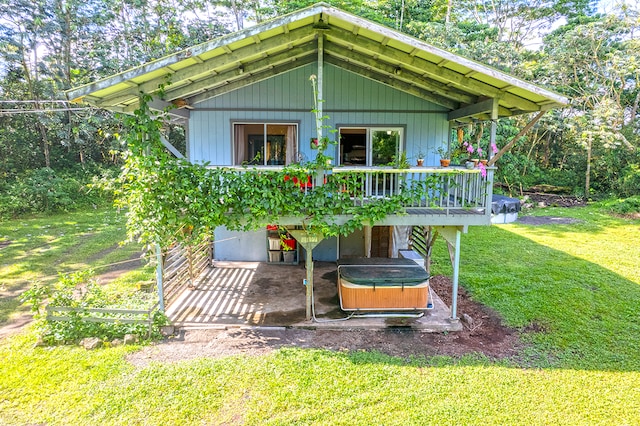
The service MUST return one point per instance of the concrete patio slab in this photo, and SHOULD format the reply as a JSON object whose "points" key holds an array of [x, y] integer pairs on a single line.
{"points": [[253, 294]]}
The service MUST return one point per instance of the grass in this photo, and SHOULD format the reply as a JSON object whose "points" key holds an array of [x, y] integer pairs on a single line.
{"points": [[573, 288], [40, 247]]}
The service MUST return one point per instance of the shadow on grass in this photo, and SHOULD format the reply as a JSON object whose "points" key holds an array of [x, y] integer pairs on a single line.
{"points": [[575, 313]]}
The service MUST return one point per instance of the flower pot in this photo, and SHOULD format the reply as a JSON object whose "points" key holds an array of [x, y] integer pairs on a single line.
{"points": [[444, 162], [288, 244], [274, 255], [289, 256], [484, 162], [469, 165], [475, 162], [420, 162], [274, 243]]}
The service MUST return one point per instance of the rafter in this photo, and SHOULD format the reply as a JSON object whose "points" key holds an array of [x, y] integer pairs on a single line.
{"points": [[393, 82], [248, 69], [255, 78], [407, 76], [343, 37], [295, 37]]}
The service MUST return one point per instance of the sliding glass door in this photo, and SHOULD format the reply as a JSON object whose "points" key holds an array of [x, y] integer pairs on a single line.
{"points": [[372, 147], [369, 146]]}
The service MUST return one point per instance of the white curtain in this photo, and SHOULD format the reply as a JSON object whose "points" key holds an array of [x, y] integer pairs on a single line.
{"points": [[240, 143], [291, 145]]}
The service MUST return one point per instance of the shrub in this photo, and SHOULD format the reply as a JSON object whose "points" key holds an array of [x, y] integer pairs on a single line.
{"points": [[626, 206], [629, 182], [79, 291], [47, 190]]}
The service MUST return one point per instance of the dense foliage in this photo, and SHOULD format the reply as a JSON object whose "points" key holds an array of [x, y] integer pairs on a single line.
{"points": [[591, 147], [171, 199]]}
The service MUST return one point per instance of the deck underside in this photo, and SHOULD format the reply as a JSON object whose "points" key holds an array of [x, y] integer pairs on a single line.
{"points": [[246, 294]]}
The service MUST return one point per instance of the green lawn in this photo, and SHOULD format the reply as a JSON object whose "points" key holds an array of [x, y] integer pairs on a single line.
{"points": [[577, 285], [38, 248]]}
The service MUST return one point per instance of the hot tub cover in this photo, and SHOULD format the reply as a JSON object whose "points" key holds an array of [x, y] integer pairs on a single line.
{"points": [[382, 271], [502, 204]]}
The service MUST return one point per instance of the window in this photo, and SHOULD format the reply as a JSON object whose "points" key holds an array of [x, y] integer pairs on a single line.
{"points": [[265, 143], [372, 146], [369, 146]]}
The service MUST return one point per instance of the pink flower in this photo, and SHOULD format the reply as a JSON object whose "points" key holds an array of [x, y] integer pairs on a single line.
{"points": [[494, 148], [483, 170], [470, 149]]}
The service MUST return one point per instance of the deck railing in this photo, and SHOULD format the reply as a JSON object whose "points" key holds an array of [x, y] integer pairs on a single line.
{"points": [[445, 190], [450, 188]]}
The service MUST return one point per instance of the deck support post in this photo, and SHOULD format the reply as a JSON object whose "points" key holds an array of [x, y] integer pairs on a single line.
{"points": [[456, 274], [451, 235], [159, 281], [309, 294], [308, 240]]}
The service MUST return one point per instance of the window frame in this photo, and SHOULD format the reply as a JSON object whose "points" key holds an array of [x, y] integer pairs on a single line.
{"points": [[265, 136]]}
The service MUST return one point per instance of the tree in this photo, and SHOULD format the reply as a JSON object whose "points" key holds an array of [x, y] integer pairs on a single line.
{"points": [[597, 63]]}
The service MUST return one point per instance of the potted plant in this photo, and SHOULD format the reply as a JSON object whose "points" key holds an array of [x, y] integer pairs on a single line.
{"points": [[288, 244], [445, 160], [420, 157]]}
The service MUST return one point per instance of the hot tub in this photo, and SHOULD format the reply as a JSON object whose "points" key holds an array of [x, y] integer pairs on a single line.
{"points": [[379, 284]]}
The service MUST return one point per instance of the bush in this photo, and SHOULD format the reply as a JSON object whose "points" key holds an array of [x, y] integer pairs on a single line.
{"points": [[629, 182], [45, 190], [626, 206], [77, 290]]}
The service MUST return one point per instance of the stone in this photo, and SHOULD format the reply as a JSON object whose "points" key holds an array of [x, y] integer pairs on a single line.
{"points": [[116, 342], [91, 343], [130, 339], [168, 330], [467, 320]]}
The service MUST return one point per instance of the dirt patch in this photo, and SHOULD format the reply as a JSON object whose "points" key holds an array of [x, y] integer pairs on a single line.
{"points": [[547, 220], [485, 335]]}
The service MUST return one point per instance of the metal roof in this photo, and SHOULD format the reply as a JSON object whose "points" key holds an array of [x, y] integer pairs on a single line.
{"points": [[467, 88]]}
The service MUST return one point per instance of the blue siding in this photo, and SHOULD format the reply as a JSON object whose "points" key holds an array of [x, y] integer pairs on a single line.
{"points": [[350, 100]]}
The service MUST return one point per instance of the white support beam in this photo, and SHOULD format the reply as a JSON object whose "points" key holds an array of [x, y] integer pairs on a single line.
{"points": [[456, 276], [170, 147], [320, 84], [159, 277]]}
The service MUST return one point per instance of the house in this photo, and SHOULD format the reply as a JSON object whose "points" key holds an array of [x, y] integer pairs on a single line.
{"points": [[245, 99]]}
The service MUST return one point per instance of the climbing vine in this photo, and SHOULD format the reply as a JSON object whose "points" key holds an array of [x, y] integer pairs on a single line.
{"points": [[169, 199]]}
